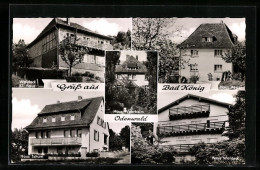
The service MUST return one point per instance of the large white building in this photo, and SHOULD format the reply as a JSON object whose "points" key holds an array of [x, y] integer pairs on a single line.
{"points": [[44, 49], [202, 51], [192, 119], [69, 128]]}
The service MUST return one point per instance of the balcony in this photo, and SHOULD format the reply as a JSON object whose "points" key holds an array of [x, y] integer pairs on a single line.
{"points": [[192, 129], [56, 141], [90, 44], [189, 112], [183, 148]]}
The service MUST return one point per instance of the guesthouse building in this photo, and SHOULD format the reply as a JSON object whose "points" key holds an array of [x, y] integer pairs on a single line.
{"points": [[69, 128], [189, 120], [44, 49], [203, 50], [131, 72]]}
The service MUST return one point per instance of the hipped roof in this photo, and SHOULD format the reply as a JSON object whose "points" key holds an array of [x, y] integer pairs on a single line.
{"points": [[131, 62], [222, 35]]}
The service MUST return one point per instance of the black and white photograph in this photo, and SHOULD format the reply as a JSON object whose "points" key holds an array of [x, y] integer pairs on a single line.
{"points": [[131, 82], [65, 127], [46, 50], [195, 50], [202, 128]]}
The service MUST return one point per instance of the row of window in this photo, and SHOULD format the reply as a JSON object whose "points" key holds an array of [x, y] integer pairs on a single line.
{"points": [[130, 77], [101, 122], [93, 59], [90, 38], [194, 141], [195, 53], [194, 67], [49, 42], [66, 133], [62, 118], [96, 137]]}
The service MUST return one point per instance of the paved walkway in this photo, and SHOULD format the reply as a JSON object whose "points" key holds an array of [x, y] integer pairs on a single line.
{"points": [[125, 160]]}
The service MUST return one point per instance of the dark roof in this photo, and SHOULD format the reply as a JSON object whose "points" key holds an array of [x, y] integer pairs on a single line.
{"points": [[192, 96], [66, 106], [221, 34], [88, 108], [60, 23], [131, 62]]}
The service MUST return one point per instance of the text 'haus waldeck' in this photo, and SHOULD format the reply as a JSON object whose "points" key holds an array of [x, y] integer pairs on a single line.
{"points": [[70, 128]]}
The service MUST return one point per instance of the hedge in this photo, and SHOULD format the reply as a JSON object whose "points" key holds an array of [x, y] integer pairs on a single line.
{"points": [[37, 73], [75, 79]]}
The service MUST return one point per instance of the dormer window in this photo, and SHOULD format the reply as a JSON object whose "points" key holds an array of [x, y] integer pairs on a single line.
{"points": [[44, 120], [207, 39], [194, 53], [72, 117], [62, 118], [53, 119]]}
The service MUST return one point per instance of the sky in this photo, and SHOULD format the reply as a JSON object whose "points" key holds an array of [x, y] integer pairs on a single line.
{"points": [[29, 28], [188, 25], [226, 96]]}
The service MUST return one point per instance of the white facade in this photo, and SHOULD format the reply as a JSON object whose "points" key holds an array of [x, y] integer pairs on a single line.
{"points": [[205, 62], [217, 113], [138, 79], [82, 141]]}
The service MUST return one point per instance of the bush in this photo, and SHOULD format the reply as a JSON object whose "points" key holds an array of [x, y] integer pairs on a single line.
{"points": [[74, 79], [88, 74], [144, 153], [92, 154], [15, 81], [194, 79], [37, 73], [76, 74]]}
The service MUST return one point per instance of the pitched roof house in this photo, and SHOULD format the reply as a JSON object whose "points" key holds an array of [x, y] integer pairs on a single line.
{"points": [[44, 48], [69, 127], [204, 49], [131, 70], [189, 120]]}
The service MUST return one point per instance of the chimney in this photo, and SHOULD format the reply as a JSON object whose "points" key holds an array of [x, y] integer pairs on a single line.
{"points": [[79, 98], [136, 57], [58, 101], [221, 22], [68, 21]]}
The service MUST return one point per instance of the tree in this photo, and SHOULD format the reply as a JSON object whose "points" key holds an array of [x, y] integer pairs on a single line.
{"points": [[72, 53], [234, 147], [237, 56], [21, 57], [157, 34], [125, 136], [115, 141], [19, 144], [237, 116], [142, 152], [151, 33]]}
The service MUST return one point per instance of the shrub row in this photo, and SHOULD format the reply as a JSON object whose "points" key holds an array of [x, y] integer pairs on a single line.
{"points": [[87, 74], [92, 154], [33, 74]]}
